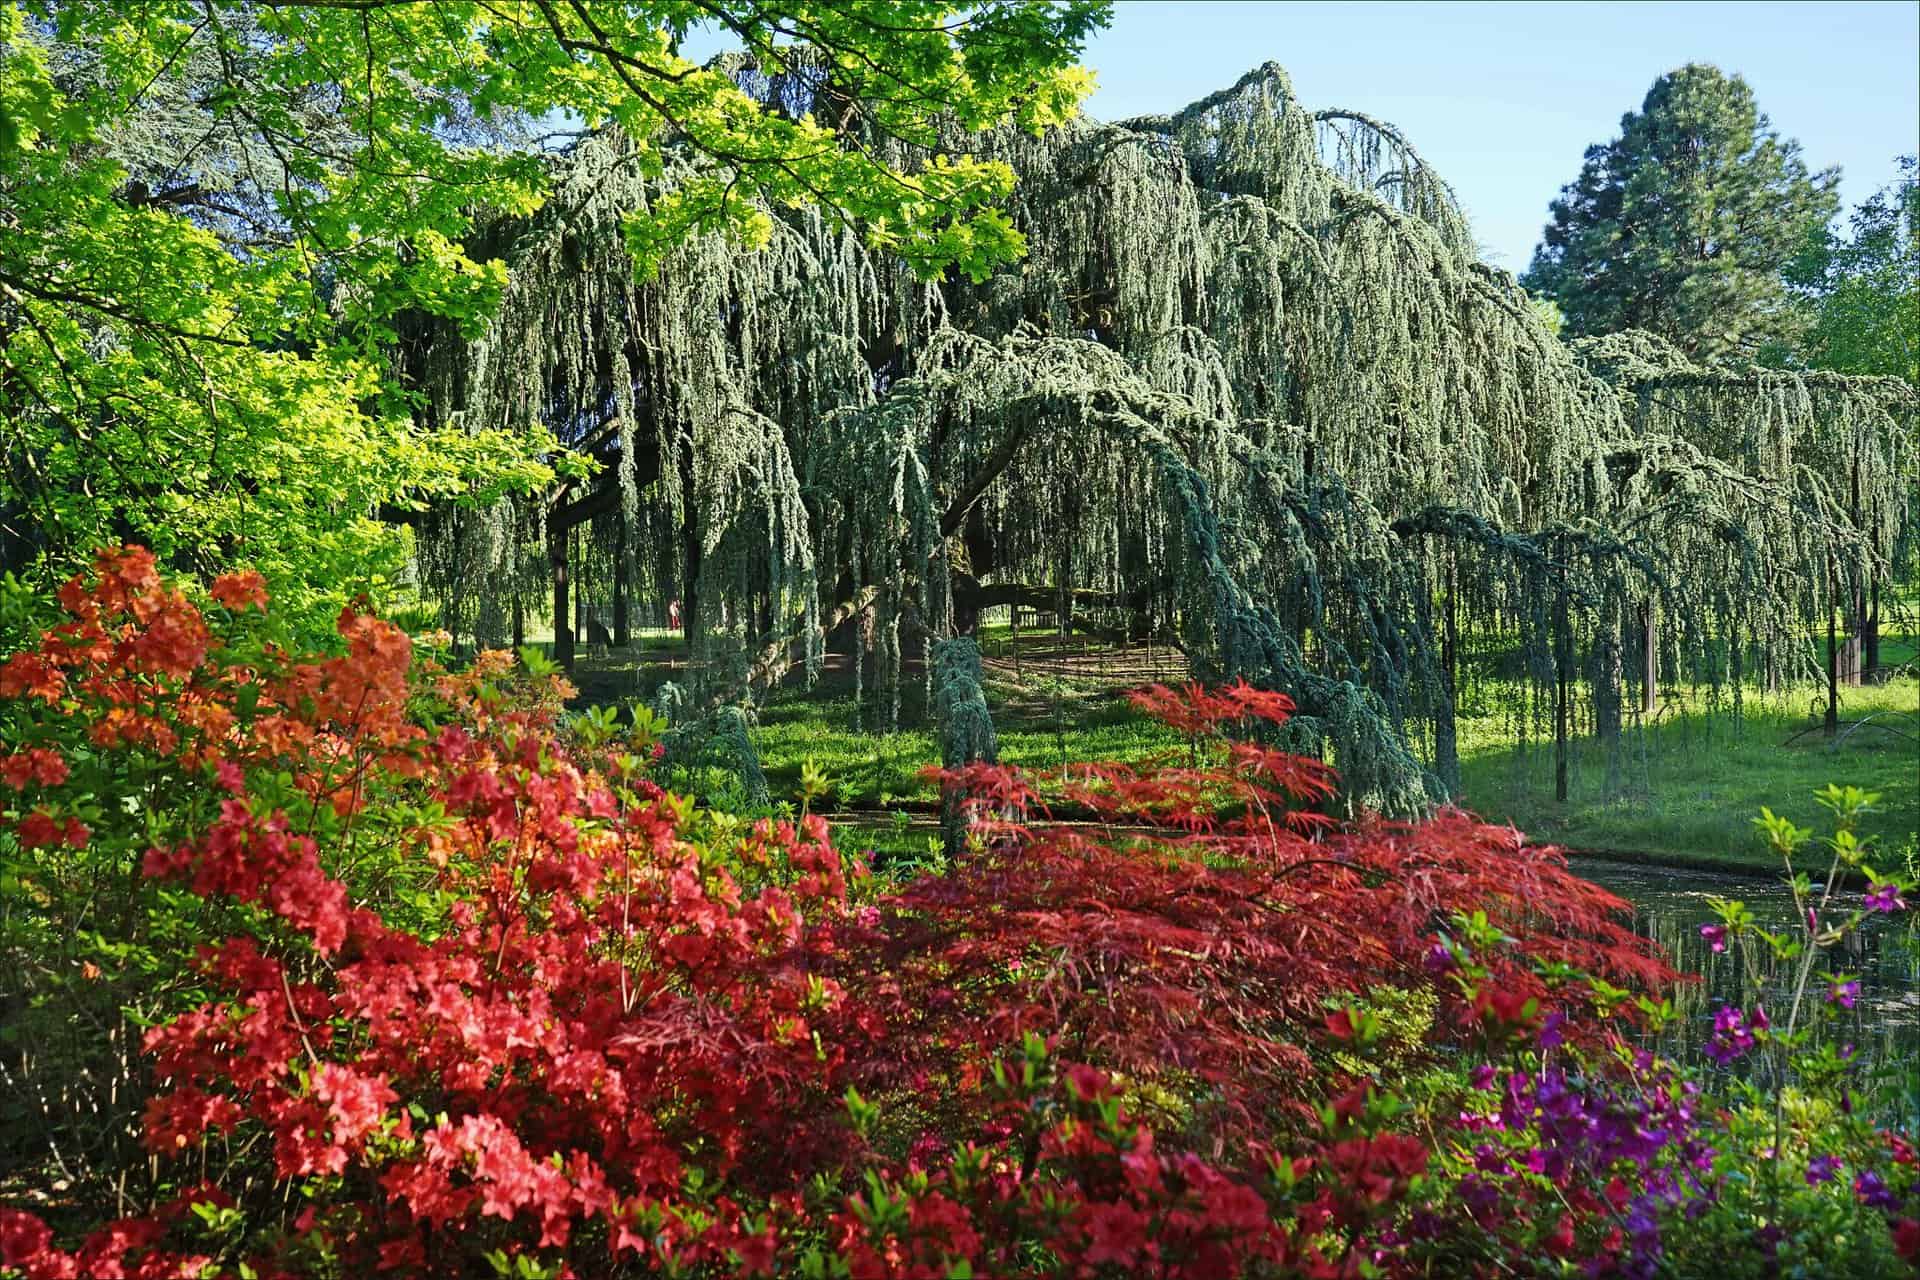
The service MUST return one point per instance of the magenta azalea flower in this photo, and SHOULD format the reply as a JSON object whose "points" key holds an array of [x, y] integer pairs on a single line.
{"points": [[1822, 1169], [1885, 897], [1872, 1190], [1734, 1033]]}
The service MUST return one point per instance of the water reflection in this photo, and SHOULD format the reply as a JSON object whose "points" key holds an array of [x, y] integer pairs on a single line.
{"points": [[1671, 905]]}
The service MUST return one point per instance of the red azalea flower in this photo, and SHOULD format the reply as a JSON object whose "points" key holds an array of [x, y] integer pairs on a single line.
{"points": [[239, 590]]}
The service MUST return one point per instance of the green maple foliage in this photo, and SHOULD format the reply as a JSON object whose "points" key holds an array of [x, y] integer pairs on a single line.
{"points": [[215, 214], [1683, 224]]}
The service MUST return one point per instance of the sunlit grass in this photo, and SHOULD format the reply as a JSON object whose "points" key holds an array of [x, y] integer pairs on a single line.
{"points": [[1685, 789], [875, 769], [1690, 786]]}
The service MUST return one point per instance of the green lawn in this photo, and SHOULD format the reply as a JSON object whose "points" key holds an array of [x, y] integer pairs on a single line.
{"points": [[1692, 784], [873, 769], [1683, 791]]}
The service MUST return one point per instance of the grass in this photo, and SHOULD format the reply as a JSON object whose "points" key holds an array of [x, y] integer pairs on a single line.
{"points": [[1687, 788], [874, 770], [1054, 702], [1692, 784]]}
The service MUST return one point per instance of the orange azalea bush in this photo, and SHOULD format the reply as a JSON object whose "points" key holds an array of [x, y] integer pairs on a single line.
{"points": [[394, 970]]}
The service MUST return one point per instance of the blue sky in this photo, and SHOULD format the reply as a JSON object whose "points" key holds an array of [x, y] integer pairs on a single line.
{"points": [[1504, 98]]}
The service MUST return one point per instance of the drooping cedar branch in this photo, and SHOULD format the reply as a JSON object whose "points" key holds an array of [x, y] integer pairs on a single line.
{"points": [[1250, 383]]}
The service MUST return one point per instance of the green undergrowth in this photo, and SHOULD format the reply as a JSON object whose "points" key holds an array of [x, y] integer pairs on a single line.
{"points": [[1690, 784], [873, 770], [1681, 791]]}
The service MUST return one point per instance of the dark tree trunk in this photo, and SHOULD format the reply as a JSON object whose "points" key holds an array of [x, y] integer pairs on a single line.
{"points": [[1649, 659], [579, 588], [1607, 679], [1446, 736], [1870, 638], [1833, 676], [966, 613], [519, 620], [1856, 601], [690, 623], [1852, 647], [1562, 698], [622, 622], [562, 633]]}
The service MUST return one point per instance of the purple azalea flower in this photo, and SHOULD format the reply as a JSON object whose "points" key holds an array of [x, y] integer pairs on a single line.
{"points": [[1884, 897], [1716, 936], [1844, 993], [1822, 1169], [1483, 1076], [1733, 1033], [1872, 1190], [1440, 958]]}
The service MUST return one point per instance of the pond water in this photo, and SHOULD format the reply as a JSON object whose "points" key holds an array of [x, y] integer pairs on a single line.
{"points": [[1670, 905]]}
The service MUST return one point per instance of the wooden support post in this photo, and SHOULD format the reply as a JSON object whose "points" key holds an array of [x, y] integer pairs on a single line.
{"points": [[1019, 672], [1851, 646], [1870, 638]]}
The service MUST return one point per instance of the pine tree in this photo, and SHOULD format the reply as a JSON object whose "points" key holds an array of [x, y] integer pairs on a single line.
{"points": [[1684, 223]]}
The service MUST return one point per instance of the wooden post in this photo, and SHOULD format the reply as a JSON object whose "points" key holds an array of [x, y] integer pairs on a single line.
{"points": [[579, 591], [1851, 647], [1870, 637], [1019, 672]]}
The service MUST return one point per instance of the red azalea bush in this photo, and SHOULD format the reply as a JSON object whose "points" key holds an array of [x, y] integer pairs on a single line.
{"points": [[440, 985]]}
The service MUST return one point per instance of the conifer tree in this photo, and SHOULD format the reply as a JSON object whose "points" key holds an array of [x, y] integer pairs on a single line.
{"points": [[1683, 224]]}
